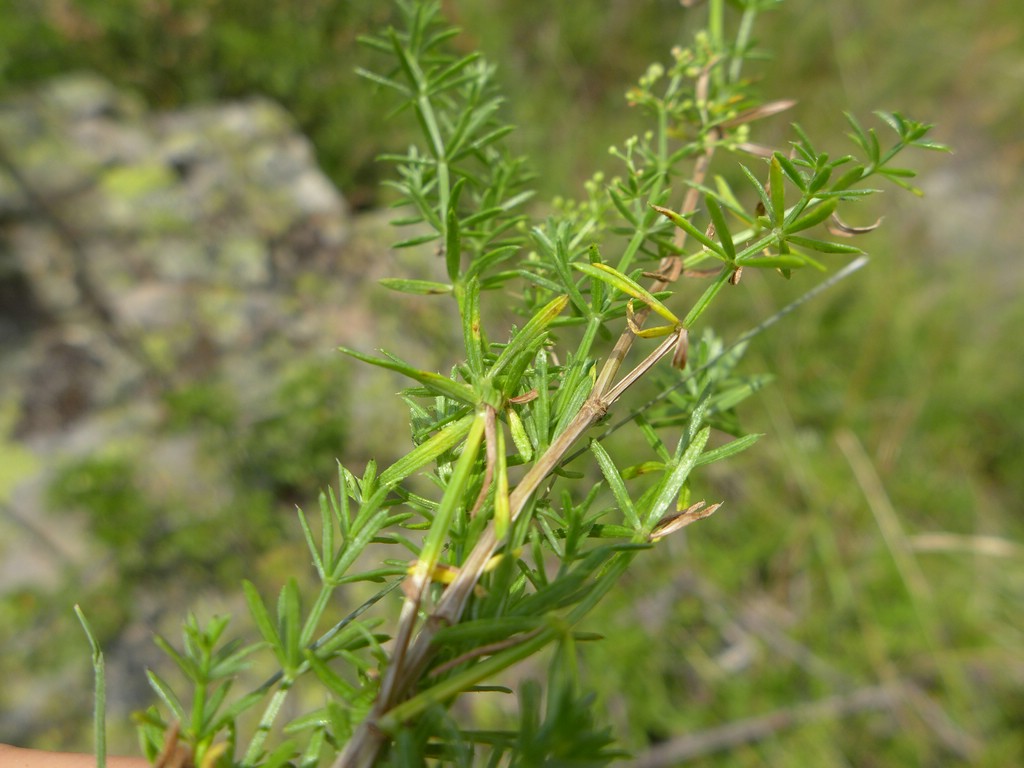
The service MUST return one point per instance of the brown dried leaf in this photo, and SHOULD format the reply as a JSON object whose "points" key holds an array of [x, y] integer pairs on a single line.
{"points": [[839, 227], [758, 113], [672, 523]]}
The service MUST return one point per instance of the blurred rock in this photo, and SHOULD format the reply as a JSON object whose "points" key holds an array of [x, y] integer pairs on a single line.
{"points": [[146, 256], [178, 236]]}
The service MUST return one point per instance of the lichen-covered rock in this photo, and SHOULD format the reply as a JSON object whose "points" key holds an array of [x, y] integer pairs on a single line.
{"points": [[160, 229], [172, 290]]}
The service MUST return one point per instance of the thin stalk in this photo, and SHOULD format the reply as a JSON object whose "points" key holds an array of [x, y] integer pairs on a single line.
{"points": [[743, 34], [99, 715], [425, 109], [319, 606], [716, 31], [640, 234], [706, 298], [266, 723]]}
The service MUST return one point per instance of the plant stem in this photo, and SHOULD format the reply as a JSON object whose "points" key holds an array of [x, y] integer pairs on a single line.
{"points": [[266, 723], [369, 737]]}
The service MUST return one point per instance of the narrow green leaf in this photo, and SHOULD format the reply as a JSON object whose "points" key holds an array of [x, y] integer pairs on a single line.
{"points": [[823, 246], [894, 120], [820, 179], [616, 484], [435, 382], [652, 437], [538, 280], [454, 492], [381, 80], [874, 147], [418, 240], [684, 224], [281, 755], [340, 507], [557, 254], [331, 679], [427, 451], [905, 173], [456, 153], [484, 631], [311, 544], [792, 172], [777, 261], [502, 511], [531, 335], [288, 611], [185, 663], [727, 198], [859, 135], [721, 226], [453, 239], [848, 179], [453, 69], [468, 295], [934, 146], [596, 288], [213, 704], [463, 680], [541, 410], [167, 695], [762, 193], [644, 468], [815, 216], [916, 191], [777, 190], [519, 436], [729, 449], [99, 691], [627, 285], [483, 216], [228, 716], [260, 616], [419, 287], [622, 208], [490, 258], [673, 482], [706, 298]]}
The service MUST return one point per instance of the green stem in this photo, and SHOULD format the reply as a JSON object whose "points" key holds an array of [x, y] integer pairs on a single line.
{"points": [[428, 119], [589, 336], [704, 301], [266, 723], [743, 34], [716, 31], [319, 606]]}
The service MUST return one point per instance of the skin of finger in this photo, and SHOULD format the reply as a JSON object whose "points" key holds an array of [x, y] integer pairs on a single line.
{"points": [[16, 757]]}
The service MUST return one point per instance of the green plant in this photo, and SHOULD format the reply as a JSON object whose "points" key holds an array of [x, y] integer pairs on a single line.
{"points": [[511, 544]]}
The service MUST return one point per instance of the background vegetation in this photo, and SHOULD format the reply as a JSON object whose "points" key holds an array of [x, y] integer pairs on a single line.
{"points": [[875, 536]]}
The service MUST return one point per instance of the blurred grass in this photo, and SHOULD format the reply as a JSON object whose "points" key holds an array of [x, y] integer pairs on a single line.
{"points": [[874, 536]]}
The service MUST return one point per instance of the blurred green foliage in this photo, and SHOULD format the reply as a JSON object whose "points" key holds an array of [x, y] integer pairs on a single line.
{"points": [[919, 360], [271, 458]]}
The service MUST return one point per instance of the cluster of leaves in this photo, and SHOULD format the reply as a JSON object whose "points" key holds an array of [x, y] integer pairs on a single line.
{"points": [[511, 548]]}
